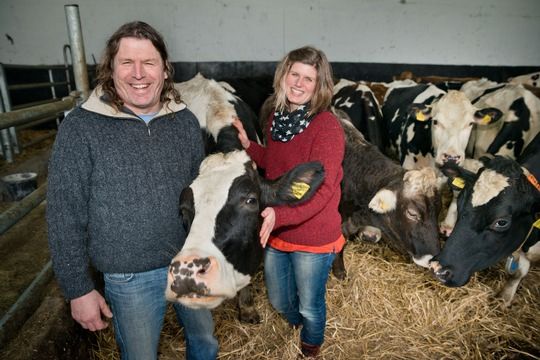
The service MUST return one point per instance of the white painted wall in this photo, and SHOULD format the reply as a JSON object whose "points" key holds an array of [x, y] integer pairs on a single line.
{"points": [[446, 32]]}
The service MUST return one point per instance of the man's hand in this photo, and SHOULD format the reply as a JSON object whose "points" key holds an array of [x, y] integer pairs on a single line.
{"points": [[87, 310]]}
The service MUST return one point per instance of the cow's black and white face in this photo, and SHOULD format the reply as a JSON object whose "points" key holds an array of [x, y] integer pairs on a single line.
{"points": [[495, 213], [221, 209]]}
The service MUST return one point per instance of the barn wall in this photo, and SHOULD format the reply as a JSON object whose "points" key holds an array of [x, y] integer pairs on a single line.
{"points": [[457, 32]]}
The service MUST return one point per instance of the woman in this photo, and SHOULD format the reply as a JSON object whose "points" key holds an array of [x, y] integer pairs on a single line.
{"points": [[302, 240]]}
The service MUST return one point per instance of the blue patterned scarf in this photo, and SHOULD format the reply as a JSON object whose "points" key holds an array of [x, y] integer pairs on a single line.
{"points": [[288, 124]]}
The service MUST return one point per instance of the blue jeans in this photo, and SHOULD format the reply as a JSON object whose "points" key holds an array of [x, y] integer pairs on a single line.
{"points": [[296, 284], [138, 303]]}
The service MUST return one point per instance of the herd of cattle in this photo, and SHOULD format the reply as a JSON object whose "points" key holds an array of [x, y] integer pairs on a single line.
{"points": [[405, 143]]}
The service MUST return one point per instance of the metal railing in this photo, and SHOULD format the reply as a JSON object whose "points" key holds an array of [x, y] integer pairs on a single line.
{"points": [[10, 118], [9, 140]]}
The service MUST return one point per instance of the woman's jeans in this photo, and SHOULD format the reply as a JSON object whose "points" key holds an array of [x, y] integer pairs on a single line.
{"points": [[138, 303], [296, 283]]}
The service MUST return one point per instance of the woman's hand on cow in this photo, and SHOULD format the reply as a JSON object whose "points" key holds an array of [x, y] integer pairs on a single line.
{"points": [[87, 311], [269, 220], [242, 135]]}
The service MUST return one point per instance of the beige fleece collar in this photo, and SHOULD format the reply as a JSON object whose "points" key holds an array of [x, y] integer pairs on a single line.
{"points": [[97, 105]]}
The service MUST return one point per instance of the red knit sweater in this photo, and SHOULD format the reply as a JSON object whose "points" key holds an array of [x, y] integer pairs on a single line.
{"points": [[316, 222]]}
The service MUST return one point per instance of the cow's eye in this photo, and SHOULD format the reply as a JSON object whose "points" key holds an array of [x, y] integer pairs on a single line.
{"points": [[251, 201], [412, 214], [501, 224]]}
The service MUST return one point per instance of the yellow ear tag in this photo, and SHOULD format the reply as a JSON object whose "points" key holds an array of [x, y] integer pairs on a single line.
{"points": [[536, 224], [299, 189], [458, 182], [420, 116], [486, 119]]}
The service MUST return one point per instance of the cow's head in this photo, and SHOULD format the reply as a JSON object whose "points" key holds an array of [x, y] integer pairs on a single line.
{"points": [[495, 213], [409, 214], [221, 211], [452, 120]]}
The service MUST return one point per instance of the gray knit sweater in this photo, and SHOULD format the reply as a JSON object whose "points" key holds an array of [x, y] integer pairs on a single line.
{"points": [[113, 188]]}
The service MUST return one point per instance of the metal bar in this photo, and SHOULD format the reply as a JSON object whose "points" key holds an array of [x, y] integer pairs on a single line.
{"points": [[23, 116], [37, 122], [33, 103], [7, 147], [6, 102], [25, 305], [66, 65], [6, 144], [36, 85], [77, 49], [31, 67], [14, 140], [17, 211]]}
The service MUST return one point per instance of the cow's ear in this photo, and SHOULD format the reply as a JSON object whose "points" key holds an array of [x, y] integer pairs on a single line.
{"points": [[384, 201], [487, 116], [420, 112], [187, 208], [295, 186], [458, 177]]}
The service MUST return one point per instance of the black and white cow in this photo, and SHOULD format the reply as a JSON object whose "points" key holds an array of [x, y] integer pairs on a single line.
{"points": [[513, 116], [221, 208], [508, 118], [382, 200], [428, 126], [358, 101], [497, 211], [532, 79], [475, 89]]}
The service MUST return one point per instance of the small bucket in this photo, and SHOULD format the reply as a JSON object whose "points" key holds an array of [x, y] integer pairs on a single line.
{"points": [[18, 186]]}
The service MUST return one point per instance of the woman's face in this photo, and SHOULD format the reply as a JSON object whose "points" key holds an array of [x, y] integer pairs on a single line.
{"points": [[300, 83]]}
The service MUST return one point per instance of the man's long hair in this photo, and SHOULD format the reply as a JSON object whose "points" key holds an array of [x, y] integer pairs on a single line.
{"points": [[139, 30]]}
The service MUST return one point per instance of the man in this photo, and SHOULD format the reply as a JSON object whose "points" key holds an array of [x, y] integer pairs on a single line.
{"points": [[116, 172]]}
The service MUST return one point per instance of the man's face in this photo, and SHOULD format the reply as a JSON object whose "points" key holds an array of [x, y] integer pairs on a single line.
{"points": [[138, 75]]}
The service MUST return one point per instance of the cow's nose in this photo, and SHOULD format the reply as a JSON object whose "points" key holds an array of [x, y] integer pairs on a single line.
{"points": [[447, 158], [444, 274], [190, 276]]}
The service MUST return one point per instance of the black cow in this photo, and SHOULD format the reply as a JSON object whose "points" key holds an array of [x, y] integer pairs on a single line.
{"points": [[221, 208], [496, 221], [381, 199]]}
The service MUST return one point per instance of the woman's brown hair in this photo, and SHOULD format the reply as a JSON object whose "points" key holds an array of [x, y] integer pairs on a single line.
{"points": [[139, 30], [322, 96]]}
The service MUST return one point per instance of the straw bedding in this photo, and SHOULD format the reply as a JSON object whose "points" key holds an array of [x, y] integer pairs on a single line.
{"points": [[387, 308]]}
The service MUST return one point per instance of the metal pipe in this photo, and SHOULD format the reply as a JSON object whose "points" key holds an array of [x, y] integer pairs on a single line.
{"points": [[25, 305], [6, 144], [32, 67], [5, 139], [23, 116], [36, 85], [37, 122], [66, 65], [6, 102], [17, 211], [77, 47]]}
